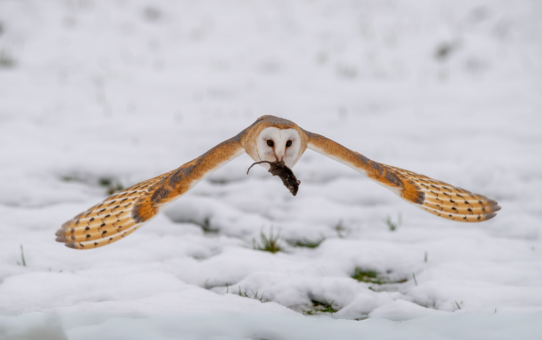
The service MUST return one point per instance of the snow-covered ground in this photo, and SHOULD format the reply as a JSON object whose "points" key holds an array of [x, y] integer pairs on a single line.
{"points": [[96, 94]]}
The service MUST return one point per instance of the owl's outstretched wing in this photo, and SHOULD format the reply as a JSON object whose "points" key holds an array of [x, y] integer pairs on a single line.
{"points": [[436, 197], [124, 212]]}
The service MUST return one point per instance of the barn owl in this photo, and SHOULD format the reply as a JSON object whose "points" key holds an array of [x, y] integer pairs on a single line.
{"points": [[269, 139]]}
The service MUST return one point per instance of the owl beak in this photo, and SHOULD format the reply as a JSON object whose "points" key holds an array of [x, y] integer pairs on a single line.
{"points": [[279, 153]]}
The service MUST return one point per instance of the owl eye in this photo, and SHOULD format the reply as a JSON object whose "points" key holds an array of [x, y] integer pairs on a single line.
{"points": [[289, 143], [270, 142]]}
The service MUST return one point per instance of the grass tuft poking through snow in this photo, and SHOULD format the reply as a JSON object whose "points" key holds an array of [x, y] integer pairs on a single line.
{"points": [[23, 261], [393, 225], [340, 229], [111, 185], [319, 307], [251, 295], [266, 243], [206, 226], [306, 243], [371, 276], [6, 60]]}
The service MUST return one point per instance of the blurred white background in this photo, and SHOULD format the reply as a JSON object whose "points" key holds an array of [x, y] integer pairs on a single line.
{"points": [[99, 95]]}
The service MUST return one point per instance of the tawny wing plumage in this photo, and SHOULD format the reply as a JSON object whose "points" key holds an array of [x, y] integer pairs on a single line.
{"points": [[436, 197], [123, 213]]}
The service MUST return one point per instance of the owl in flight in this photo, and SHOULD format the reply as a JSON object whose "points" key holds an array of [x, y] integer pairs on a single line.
{"points": [[274, 140]]}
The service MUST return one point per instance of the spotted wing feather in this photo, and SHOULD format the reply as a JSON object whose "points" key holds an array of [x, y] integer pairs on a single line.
{"points": [[123, 213], [436, 197]]}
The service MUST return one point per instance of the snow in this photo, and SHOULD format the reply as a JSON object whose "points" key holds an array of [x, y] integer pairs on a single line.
{"points": [[271, 326], [127, 90]]}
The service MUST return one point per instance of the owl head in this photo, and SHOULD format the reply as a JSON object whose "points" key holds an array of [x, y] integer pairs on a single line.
{"points": [[276, 139]]}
